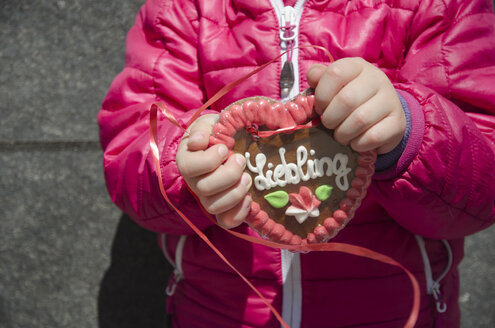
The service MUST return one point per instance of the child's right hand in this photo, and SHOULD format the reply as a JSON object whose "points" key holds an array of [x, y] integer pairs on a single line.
{"points": [[220, 184]]}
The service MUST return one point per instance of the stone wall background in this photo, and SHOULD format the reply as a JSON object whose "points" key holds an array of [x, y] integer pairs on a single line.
{"points": [[68, 257]]}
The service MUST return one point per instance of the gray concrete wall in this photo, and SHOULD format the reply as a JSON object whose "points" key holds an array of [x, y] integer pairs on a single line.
{"points": [[68, 257]]}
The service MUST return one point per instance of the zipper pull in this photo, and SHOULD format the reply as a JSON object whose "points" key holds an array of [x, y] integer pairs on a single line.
{"points": [[286, 79], [287, 37], [288, 23]]}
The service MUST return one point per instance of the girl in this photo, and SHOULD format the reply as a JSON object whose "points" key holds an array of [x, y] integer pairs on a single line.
{"points": [[413, 80]]}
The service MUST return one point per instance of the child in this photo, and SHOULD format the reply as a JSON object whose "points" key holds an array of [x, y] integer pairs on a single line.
{"points": [[413, 79]]}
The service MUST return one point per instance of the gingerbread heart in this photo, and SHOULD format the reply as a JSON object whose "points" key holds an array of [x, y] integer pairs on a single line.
{"points": [[306, 186]]}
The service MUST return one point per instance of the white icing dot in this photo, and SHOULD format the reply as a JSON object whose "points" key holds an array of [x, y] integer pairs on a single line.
{"points": [[270, 166]]}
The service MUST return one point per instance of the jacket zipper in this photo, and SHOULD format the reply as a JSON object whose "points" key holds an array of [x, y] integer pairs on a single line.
{"points": [[287, 36], [288, 19], [292, 290]]}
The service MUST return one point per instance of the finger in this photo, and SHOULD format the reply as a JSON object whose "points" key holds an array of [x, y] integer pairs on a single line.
{"points": [[226, 200], [236, 215], [334, 78], [222, 178], [199, 134], [195, 163], [314, 73], [351, 96], [383, 136], [361, 119]]}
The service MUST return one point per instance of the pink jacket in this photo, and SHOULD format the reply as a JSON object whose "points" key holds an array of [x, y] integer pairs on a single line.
{"points": [[440, 55]]}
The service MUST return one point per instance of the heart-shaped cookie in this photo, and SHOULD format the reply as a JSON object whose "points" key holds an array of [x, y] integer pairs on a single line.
{"points": [[306, 186]]}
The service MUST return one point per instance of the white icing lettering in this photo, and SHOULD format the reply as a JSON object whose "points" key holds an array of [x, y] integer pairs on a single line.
{"points": [[302, 156], [279, 173], [341, 170], [304, 169], [324, 160], [289, 169], [311, 169]]}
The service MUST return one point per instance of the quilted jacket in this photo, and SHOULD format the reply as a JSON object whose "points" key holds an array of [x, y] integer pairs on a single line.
{"points": [[440, 56]]}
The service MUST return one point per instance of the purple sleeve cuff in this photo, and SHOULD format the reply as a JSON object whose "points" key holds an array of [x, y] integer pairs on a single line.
{"points": [[395, 162], [387, 160]]}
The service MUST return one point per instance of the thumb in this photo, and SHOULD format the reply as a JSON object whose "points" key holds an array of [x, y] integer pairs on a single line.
{"points": [[314, 73], [199, 133]]}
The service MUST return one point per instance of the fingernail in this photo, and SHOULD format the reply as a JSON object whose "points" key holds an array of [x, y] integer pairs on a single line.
{"points": [[246, 205], [314, 68], [310, 69], [196, 137], [246, 180], [222, 150], [240, 160], [247, 202]]}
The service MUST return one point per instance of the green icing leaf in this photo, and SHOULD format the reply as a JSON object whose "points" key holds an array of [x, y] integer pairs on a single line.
{"points": [[277, 199], [323, 192]]}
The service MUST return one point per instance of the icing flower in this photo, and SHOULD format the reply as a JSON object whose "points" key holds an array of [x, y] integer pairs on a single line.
{"points": [[304, 204]]}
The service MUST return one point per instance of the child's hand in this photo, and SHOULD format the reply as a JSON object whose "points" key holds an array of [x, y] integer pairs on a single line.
{"points": [[221, 188], [359, 102]]}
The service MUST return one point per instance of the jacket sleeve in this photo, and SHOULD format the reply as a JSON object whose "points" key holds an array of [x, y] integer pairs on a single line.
{"points": [[443, 186], [161, 65]]}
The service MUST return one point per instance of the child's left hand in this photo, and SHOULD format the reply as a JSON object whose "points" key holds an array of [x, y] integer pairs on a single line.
{"points": [[359, 102]]}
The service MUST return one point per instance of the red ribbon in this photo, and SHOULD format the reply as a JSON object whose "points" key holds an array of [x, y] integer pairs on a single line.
{"points": [[330, 247], [266, 134]]}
